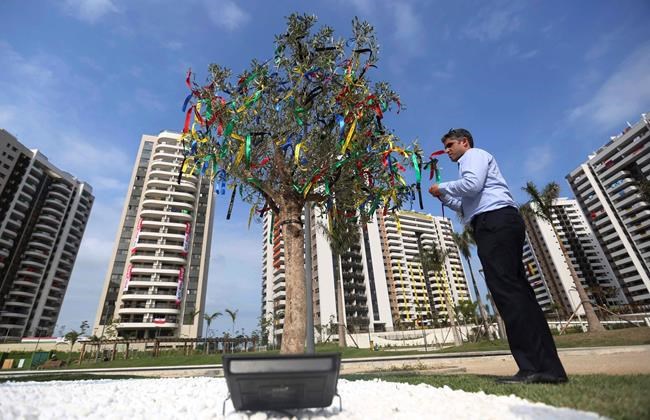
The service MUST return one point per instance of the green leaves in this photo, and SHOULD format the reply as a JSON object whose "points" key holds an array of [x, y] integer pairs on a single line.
{"points": [[541, 203], [321, 118]]}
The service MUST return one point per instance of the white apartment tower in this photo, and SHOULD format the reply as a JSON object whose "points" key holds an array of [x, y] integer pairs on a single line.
{"points": [[416, 298], [157, 277], [612, 189], [359, 273], [43, 215], [536, 278], [585, 256]]}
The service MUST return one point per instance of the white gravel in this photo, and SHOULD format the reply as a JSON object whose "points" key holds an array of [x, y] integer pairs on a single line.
{"points": [[202, 398]]}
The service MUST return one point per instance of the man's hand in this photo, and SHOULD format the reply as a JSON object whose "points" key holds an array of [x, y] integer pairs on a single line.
{"points": [[435, 190]]}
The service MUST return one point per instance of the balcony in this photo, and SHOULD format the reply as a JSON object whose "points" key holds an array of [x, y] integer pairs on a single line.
{"points": [[169, 248], [146, 325], [151, 310], [57, 195], [153, 224], [177, 217], [152, 258], [13, 314], [151, 204], [149, 296]]}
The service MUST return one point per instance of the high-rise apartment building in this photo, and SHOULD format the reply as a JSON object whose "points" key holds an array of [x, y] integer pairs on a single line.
{"points": [[570, 228], [157, 277], [415, 297], [381, 279], [358, 272], [43, 215], [612, 189], [536, 278]]}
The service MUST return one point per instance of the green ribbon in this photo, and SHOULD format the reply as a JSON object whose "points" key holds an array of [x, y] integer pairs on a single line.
{"points": [[296, 113], [248, 150], [418, 174]]}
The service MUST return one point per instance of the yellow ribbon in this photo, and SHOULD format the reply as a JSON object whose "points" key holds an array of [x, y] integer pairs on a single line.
{"points": [[349, 136]]}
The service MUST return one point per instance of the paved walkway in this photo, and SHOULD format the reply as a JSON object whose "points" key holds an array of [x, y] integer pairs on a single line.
{"points": [[604, 360]]}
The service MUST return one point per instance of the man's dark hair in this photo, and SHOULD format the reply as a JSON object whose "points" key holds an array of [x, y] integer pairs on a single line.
{"points": [[458, 133]]}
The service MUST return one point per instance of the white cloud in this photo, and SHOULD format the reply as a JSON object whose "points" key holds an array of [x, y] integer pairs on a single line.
{"points": [[226, 14], [512, 50], [408, 29], [79, 153], [365, 7], [87, 280], [538, 159], [89, 11], [44, 103], [109, 183], [7, 115], [445, 71], [148, 99], [492, 23], [603, 45], [173, 45], [624, 94], [135, 71], [235, 276], [529, 54]]}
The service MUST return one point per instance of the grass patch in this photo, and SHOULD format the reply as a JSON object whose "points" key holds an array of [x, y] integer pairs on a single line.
{"points": [[177, 358], [628, 336], [146, 360], [617, 397], [621, 337], [55, 377], [353, 352]]}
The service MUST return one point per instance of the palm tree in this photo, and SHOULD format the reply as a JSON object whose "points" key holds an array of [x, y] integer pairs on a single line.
{"points": [[466, 310], [71, 337], [342, 235], [464, 242], [433, 260], [644, 190], [190, 316], [233, 316], [209, 319], [541, 205]]}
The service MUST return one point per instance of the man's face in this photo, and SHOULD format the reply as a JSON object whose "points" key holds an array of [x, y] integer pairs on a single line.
{"points": [[455, 148]]}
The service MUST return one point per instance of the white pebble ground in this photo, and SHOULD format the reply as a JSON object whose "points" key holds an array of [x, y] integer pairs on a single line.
{"points": [[202, 398]]}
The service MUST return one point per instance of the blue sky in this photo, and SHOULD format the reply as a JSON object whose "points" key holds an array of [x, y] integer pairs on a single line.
{"points": [[540, 84]]}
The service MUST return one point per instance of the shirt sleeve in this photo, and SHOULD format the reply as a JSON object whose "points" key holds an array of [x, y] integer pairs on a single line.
{"points": [[473, 173], [451, 202]]}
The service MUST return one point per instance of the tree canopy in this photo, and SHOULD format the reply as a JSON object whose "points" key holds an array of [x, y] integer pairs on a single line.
{"points": [[301, 126], [304, 126]]}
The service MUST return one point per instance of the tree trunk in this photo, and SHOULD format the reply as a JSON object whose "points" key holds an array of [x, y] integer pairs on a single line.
{"points": [[295, 316], [593, 322], [450, 312], [502, 327], [481, 308], [340, 309]]}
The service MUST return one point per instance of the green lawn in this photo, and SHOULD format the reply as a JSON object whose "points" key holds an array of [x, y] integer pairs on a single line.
{"points": [[60, 377], [617, 397], [621, 337], [628, 336]]}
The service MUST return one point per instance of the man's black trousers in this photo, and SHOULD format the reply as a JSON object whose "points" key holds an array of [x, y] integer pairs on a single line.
{"points": [[500, 237]]}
